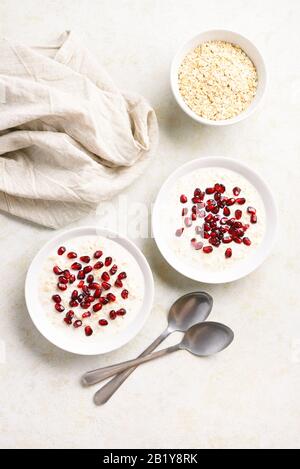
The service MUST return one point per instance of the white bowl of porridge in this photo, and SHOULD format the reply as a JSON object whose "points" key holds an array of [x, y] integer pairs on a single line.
{"points": [[218, 77], [214, 220], [89, 291]]}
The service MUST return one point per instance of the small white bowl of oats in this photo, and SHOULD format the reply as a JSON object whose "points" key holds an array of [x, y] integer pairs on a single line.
{"points": [[218, 77]]}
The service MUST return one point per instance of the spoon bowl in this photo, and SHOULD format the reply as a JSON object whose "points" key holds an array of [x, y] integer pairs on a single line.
{"points": [[189, 309], [207, 339]]}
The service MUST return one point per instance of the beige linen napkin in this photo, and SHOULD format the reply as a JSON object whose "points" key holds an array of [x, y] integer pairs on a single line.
{"points": [[68, 137]]}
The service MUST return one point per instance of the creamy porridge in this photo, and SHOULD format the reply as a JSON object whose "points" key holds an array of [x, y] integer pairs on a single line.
{"points": [[92, 287], [213, 217]]}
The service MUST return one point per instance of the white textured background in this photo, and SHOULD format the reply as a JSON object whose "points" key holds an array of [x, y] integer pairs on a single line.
{"points": [[249, 396]]}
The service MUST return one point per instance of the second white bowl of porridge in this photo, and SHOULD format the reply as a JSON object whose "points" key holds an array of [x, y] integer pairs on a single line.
{"points": [[218, 77]]}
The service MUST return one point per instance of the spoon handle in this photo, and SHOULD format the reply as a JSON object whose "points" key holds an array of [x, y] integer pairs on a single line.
{"points": [[93, 377], [112, 370]]}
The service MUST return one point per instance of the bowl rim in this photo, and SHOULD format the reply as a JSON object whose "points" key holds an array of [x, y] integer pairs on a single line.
{"points": [[263, 76], [32, 300], [231, 164]]}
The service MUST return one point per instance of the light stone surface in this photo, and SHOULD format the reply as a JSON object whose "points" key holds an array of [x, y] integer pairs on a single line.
{"points": [[248, 397]]}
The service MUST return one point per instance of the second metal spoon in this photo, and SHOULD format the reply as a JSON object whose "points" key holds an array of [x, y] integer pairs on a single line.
{"points": [[202, 340]]}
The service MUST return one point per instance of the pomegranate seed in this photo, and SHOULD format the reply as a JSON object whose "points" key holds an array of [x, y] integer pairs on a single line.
{"points": [[111, 297], [251, 210], [98, 265], [179, 232], [215, 242], [112, 314], [90, 299], [66, 273], [194, 216], [72, 279], [108, 261], [61, 250], [59, 308], [118, 283], [85, 305], [241, 201], [247, 241], [124, 294], [198, 230], [196, 200], [62, 286], [222, 188], [105, 276], [193, 240], [57, 270], [90, 278], [237, 240], [70, 314], [103, 300], [63, 280], [88, 331], [238, 214], [183, 199], [87, 269], [228, 253], [86, 315], [103, 322], [72, 255], [97, 307], [113, 269], [76, 266], [206, 227], [210, 190], [206, 235], [80, 298], [184, 211], [226, 211], [121, 312], [81, 275], [94, 286], [230, 202], [106, 286], [227, 240], [253, 218], [236, 191], [197, 246], [56, 298], [86, 290], [74, 295], [188, 222], [209, 218], [74, 304], [68, 321], [80, 284], [97, 293], [85, 259], [122, 275], [98, 254], [77, 323]]}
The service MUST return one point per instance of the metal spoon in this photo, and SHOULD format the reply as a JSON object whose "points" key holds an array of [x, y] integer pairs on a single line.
{"points": [[188, 310], [202, 340]]}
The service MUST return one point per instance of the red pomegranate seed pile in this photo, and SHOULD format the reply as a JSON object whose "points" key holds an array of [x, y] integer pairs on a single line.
{"points": [[216, 218], [91, 294]]}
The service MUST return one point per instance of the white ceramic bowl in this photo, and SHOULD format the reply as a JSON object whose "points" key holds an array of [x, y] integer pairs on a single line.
{"points": [[240, 268], [234, 38], [60, 337]]}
